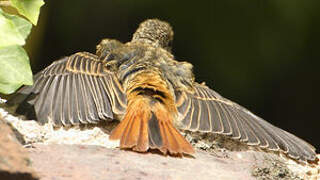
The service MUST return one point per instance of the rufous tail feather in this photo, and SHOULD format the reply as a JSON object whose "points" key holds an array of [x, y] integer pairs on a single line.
{"points": [[149, 125]]}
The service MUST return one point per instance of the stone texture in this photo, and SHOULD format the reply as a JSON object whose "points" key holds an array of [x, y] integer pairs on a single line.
{"points": [[14, 160], [64, 162]]}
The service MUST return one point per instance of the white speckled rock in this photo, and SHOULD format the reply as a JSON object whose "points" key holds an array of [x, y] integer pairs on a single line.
{"points": [[34, 133]]}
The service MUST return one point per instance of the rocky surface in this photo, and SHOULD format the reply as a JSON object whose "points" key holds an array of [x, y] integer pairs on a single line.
{"points": [[96, 162], [86, 153], [14, 160]]}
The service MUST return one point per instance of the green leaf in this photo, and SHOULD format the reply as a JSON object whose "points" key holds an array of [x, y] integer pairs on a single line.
{"points": [[9, 33], [22, 25], [14, 69], [29, 8]]}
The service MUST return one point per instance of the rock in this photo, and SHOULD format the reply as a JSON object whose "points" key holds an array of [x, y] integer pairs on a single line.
{"points": [[96, 162], [14, 160]]}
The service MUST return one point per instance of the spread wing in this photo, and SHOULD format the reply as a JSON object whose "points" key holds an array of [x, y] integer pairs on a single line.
{"points": [[71, 91], [207, 111]]}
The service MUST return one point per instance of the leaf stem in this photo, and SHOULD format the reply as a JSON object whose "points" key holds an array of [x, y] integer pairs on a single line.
{"points": [[5, 3]]}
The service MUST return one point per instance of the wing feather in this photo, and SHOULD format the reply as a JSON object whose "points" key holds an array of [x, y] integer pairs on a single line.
{"points": [[72, 90], [187, 120], [205, 124], [234, 126], [217, 125], [81, 98], [66, 101], [207, 111], [194, 123], [56, 106]]}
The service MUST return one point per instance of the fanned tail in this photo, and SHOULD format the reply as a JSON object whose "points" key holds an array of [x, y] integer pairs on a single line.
{"points": [[149, 125]]}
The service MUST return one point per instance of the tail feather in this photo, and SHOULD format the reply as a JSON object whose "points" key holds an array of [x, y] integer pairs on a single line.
{"points": [[172, 143], [132, 131], [146, 128], [155, 139], [172, 139], [176, 142], [129, 136], [143, 144], [118, 132]]}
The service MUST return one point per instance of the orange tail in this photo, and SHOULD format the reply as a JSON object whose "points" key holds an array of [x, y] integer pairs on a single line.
{"points": [[149, 125]]}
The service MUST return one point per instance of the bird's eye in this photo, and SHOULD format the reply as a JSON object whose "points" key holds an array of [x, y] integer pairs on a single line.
{"points": [[108, 66]]}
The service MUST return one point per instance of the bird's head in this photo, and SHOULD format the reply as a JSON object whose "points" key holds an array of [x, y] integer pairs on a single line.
{"points": [[155, 32]]}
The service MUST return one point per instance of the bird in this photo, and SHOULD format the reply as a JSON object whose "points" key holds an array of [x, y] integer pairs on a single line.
{"points": [[151, 94]]}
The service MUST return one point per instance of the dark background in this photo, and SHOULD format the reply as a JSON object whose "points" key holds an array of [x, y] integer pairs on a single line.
{"points": [[262, 54]]}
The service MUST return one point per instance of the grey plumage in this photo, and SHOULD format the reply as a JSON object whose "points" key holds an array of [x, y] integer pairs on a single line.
{"points": [[207, 111], [73, 90]]}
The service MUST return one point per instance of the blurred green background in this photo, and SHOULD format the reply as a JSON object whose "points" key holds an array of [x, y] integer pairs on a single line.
{"points": [[262, 54]]}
